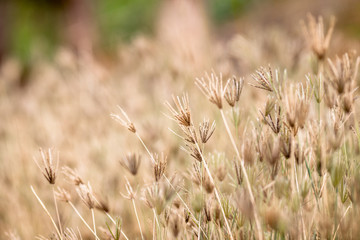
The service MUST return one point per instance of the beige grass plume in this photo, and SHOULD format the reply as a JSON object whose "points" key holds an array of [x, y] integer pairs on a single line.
{"points": [[315, 35], [49, 164]]}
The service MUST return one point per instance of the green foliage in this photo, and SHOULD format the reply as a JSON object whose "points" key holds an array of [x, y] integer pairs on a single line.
{"points": [[123, 19], [223, 10]]}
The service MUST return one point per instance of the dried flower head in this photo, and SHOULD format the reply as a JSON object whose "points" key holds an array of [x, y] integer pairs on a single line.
{"points": [[206, 130], [86, 194], [193, 151], [200, 178], [233, 90], [299, 154], [62, 195], [247, 151], [221, 172], [72, 175], [181, 114], [175, 223], [130, 192], [190, 134], [273, 118], [342, 72], [315, 35], [286, 143], [212, 88], [102, 205], [264, 79], [154, 199], [126, 122], [297, 102], [207, 210], [159, 165], [131, 162], [49, 164]]}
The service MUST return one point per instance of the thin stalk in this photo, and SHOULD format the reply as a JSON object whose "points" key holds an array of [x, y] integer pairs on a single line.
{"points": [[312, 184], [47, 212], [336, 207], [83, 220], [93, 218], [337, 228], [252, 199], [154, 225], [109, 216], [57, 210], [298, 192], [137, 218], [199, 232]]}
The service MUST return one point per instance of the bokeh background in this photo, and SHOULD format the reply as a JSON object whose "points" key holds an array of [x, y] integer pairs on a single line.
{"points": [[66, 64]]}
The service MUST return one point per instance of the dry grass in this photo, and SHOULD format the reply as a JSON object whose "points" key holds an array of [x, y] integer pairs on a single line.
{"points": [[253, 152]]}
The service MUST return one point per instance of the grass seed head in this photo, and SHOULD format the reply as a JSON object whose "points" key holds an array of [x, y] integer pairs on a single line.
{"points": [[263, 79], [49, 164], [131, 162], [181, 114], [206, 130], [233, 90], [86, 194], [159, 165], [62, 195], [342, 72], [73, 176], [212, 88], [315, 35], [124, 120]]}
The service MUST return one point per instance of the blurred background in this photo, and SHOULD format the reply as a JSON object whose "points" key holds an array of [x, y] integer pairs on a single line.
{"points": [[66, 64], [37, 27]]}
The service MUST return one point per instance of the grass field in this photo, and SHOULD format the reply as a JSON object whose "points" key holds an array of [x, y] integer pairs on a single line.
{"points": [[188, 134]]}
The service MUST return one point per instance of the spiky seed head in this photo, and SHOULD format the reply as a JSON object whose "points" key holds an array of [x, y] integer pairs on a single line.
{"points": [[263, 79], [212, 88], [154, 199], [124, 120], [247, 151], [342, 72], [193, 151], [206, 130], [315, 35], [62, 195], [48, 164], [102, 205], [86, 194], [299, 154], [207, 210], [131, 162], [207, 184], [269, 106], [159, 165], [72, 176], [175, 223], [181, 114], [233, 90], [221, 172], [190, 134], [273, 119], [297, 102], [286, 143], [130, 192]]}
